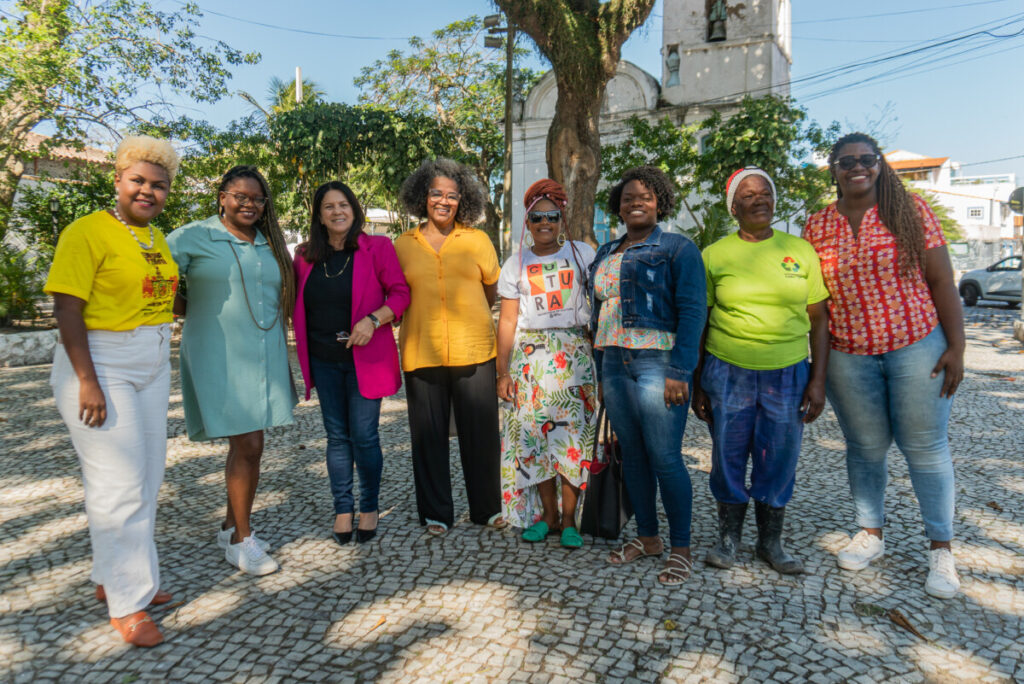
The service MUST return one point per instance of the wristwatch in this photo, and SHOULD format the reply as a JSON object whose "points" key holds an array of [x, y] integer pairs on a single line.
{"points": [[373, 319]]}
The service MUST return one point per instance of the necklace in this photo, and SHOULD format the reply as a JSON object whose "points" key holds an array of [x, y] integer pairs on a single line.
{"points": [[152, 238], [339, 272], [245, 291]]}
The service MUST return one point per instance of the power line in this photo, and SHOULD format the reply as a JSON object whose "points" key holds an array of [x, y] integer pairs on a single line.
{"points": [[993, 161], [295, 30], [841, 70], [894, 14], [917, 67]]}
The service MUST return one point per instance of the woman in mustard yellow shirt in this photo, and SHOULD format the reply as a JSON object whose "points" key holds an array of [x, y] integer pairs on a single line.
{"points": [[448, 344], [113, 283]]}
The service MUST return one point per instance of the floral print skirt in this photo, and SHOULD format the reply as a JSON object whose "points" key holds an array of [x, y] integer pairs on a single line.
{"points": [[549, 427]]}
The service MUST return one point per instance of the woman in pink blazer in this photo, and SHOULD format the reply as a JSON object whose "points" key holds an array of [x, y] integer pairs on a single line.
{"points": [[349, 288]]}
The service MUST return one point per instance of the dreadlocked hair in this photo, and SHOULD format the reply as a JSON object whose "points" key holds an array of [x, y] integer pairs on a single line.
{"points": [[271, 230], [896, 206]]}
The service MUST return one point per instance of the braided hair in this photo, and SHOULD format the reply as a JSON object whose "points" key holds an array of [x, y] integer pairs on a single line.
{"points": [[897, 207], [271, 230]]}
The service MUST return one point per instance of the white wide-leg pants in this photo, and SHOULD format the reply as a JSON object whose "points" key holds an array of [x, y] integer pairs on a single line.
{"points": [[122, 460]]}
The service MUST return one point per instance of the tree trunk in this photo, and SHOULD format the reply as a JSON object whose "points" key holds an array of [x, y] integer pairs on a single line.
{"points": [[574, 156], [583, 40]]}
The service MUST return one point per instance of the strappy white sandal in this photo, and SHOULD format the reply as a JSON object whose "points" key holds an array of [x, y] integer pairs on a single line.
{"points": [[676, 574], [634, 543]]}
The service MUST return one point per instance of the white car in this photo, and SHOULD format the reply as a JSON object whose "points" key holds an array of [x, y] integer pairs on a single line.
{"points": [[1000, 282]]}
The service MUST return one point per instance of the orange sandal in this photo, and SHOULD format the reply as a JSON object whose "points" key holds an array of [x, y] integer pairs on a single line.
{"points": [[161, 597], [138, 629]]}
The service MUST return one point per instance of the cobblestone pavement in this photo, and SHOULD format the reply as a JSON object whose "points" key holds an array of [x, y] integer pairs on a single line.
{"points": [[478, 605]]}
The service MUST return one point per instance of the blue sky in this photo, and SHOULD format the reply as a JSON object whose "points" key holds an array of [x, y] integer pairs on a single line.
{"points": [[968, 107]]}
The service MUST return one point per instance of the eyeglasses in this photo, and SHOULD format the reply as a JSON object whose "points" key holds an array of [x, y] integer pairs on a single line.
{"points": [[438, 195], [849, 162], [536, 217], [244, 199]]}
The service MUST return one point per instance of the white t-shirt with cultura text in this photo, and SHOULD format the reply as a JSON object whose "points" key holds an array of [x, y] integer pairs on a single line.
{"points": [[550, 289]]}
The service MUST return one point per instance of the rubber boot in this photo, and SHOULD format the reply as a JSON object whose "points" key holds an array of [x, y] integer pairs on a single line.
{"points": [[730, 527], [769, 540]]}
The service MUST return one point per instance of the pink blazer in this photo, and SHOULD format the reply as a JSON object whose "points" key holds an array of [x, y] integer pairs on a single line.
{"points": [[376, 280]]}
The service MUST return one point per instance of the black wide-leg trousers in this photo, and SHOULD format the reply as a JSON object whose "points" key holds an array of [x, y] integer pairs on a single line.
{"points": [[471, 392]]}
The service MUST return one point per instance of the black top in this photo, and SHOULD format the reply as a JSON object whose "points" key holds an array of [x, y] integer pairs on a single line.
{"points": [[328, 302]]}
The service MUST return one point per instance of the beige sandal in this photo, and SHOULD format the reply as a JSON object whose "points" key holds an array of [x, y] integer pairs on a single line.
{"points": [[676, 574], [620, 553]]}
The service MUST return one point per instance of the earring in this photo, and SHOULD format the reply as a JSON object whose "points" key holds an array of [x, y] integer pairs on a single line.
{"points": [[528, 240], [560, 239]]}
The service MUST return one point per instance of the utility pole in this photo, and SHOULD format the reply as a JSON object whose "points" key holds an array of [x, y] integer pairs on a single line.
{"points": [[298, 85]]}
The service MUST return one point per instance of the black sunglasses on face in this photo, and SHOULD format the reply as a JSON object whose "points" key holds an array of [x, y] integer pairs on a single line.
{"points": [[849, 162], [536, 217]]}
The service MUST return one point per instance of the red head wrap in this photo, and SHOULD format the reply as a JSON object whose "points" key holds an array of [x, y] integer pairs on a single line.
{"points": [[548, 188]]}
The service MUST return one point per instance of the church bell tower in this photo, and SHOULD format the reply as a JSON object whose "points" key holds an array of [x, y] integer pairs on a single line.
{"points": [[716, 51]]}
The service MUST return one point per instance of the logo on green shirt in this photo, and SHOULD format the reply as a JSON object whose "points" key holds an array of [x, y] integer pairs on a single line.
{"points": [[789, 264]]}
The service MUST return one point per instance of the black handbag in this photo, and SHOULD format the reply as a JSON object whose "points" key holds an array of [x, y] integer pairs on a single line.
{"points": [[604, 507]]}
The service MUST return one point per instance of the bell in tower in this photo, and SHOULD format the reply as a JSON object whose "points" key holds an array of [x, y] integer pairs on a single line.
{"points": [[716, 21]]}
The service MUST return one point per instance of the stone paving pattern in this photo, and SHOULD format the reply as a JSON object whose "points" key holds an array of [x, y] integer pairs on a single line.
{"points": [[478, 605]]}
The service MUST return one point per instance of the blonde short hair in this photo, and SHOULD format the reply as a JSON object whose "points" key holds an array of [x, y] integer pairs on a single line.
{"points": [[145, 148]]}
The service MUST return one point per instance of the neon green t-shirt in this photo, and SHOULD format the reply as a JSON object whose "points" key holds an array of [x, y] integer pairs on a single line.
{"points": [[758, 293]]}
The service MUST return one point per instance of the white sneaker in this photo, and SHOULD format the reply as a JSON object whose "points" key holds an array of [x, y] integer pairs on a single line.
{"points": [[942, 578], [862, 549], [248, 557], [224, 538]]}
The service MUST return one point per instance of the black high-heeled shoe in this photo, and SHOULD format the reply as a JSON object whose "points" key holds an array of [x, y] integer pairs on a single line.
{"points": [[365, 535], [342, 537]]}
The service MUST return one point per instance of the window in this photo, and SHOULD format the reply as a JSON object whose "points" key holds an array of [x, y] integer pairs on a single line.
{"points": [[975, 212]]}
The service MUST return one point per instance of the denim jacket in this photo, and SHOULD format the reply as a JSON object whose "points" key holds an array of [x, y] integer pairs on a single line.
{"points": [[662, 286]]}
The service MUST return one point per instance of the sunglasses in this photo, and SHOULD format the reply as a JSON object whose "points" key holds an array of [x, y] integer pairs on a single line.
{"points": [[243, 199], [536, 217], [849, 162]]}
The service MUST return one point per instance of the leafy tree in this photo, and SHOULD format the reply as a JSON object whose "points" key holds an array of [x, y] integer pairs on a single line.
{"points": [[89, 189], [373, 147], [451, 79], [770, 132], [950, 226], [82, 66], [583, 41], [20, 285], [281, 96]]}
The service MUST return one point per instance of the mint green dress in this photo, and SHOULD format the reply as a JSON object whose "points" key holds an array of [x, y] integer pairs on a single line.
{"points": [[234, 375]]}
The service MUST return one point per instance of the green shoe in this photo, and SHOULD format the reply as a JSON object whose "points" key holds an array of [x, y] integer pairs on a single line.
{"points": [[571, 539], [536, 532]]}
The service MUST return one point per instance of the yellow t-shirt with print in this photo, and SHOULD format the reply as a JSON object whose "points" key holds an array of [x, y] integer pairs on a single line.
{"points": [[123, 285]]}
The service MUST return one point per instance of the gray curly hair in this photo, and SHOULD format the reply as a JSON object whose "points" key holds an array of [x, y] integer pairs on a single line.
{"points": [[473, 200]]}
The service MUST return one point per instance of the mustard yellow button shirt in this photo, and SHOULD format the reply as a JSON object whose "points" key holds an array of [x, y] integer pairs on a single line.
{"points": [[448, 322]]}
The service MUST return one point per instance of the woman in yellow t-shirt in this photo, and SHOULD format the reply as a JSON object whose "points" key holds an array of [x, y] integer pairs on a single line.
{"points": [[113, 283], [448, 344]]}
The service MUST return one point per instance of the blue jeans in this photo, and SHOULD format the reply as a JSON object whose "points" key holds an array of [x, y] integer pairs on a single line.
{"points": [[350, 420], [651, 437], [756, 417], [892, 395]]}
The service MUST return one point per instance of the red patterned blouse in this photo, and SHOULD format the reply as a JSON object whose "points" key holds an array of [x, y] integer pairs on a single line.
{"points": [[873, 308]]}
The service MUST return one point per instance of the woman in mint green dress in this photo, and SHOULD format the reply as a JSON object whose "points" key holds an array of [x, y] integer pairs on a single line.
{"points": [[235, 380]]}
